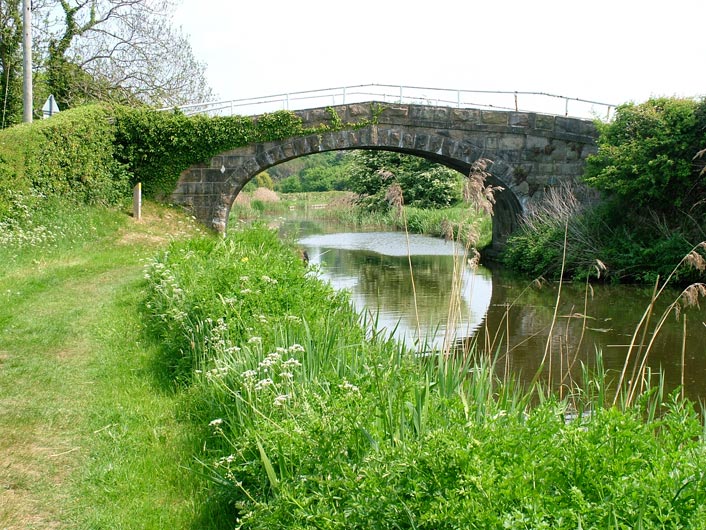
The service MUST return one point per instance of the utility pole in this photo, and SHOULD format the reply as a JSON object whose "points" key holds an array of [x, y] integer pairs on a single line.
{"points": [[27, 63]]}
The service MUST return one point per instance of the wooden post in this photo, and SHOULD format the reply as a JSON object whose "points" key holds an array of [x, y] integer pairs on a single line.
{"points": [[137, 201]]}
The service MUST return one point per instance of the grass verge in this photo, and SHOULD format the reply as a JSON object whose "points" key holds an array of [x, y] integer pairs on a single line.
{"points": [[90, 438]]}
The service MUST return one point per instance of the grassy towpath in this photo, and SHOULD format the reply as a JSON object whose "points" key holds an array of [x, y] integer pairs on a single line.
{"points": [[89, 438]]}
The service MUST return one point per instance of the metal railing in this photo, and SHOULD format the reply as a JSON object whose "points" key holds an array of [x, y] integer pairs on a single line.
{"points": [[520, 101]]}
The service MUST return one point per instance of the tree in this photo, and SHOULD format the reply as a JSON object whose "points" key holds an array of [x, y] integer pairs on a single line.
{"points": [[11, 62], [645, 156], [125, 50], [424, 184]]}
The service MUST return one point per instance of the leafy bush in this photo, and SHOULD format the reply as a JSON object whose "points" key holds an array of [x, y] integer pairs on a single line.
{"points": [[158, 146], [424, 184], [70, 155], [646, 153]]}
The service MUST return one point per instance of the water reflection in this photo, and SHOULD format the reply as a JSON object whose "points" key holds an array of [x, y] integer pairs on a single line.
{"points": [[375, 268], [509, 316], [591, 319]]}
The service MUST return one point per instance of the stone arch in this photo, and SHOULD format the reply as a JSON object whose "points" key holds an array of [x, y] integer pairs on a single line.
{"points": [[239, 166], [529, 152]]}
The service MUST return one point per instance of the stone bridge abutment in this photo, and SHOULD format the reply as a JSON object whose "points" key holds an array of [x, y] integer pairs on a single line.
{"points": [[530, 153]]}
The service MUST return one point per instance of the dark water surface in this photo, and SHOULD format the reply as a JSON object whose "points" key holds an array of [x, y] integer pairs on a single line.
{"points": [[513, 316]]}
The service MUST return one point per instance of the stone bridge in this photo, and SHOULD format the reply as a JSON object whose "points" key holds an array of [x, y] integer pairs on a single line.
{"points": [[530, 153]]}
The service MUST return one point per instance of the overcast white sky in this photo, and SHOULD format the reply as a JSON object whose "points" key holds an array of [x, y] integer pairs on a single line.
{"points": [[605, 50]]}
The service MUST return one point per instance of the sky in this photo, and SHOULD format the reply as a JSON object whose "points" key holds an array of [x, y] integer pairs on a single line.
{"points": [[609, 51]]}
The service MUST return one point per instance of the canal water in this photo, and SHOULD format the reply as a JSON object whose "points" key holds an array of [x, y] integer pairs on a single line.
{"points": [[424, 291]]}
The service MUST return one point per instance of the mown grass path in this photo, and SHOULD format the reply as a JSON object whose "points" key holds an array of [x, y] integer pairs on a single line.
{"points": [[89, 438]]}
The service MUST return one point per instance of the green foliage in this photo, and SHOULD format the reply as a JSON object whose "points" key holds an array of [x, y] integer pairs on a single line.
{"points": [[263, 180], [11, 63], [424, 184], [158, 146], [318, 172], [646, 154], [70, 155], [253, 283]]}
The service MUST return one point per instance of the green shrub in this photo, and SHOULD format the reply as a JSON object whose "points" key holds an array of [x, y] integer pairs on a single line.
{"points": [[424, 184], [645, 155], [251, 281], [69, 155]]}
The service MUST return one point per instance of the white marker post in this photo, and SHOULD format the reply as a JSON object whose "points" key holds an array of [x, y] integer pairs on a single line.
{"points": [[137, 201]]}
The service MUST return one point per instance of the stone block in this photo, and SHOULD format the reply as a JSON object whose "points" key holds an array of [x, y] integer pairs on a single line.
{"points": [[395, 111], [558, 154], [544, 122], [318, 116], [407, 141], [441, 114], [511, 142], [328, 141], [465, 116], [494, 117], [265, 159], [519, 119], [421, 113], [313, 142], [521, 189], [545, 169], [571, 125], [251, 166], [536, 142], [421, 141], [341, 140], [359, 111], [435, 143], [300, 146]]}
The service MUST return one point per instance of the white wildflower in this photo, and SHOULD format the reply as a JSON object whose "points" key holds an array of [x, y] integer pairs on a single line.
{"points": [[348, 387], [215, 423], [281, 400], [296, 348], [249, 374], [255, 340], [224, 460], [263, 383], [291, 363]]}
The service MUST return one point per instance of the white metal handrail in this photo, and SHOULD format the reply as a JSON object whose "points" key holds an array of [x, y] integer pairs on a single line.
{"points": [[541, 102]]}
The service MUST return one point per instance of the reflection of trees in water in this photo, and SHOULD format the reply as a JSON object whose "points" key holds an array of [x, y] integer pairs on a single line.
{"points": [[612, 312], [386, 284]]}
